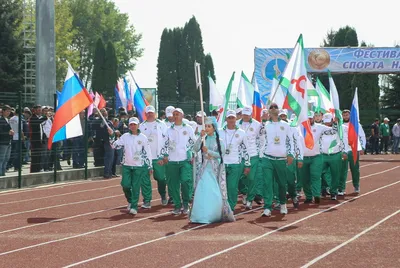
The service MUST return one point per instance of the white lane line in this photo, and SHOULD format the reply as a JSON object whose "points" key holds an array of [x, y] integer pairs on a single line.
{"points": [[52, 186], [63, 219], [57, 195], [151, 241], [350, 240], [197, 227], [57, 206], [82, 234], [285, 226]]}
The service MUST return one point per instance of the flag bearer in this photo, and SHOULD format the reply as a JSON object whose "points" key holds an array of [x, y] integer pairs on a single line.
{"points": [[252, 128], [333, 153], [278, 151], [179, 143], [236, 147], [136, 165], [155, 131]]}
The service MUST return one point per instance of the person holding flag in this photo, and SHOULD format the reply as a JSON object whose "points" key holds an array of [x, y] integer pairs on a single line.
{"points": [[137, 165], [155, 131]]}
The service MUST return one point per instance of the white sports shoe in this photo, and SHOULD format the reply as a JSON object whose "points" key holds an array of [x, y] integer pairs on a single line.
{"points": [[284, 209], [249, 205], [146, 205], [266, 213], [244, 199], [133, 211], [357, 189], [129, 206], [341, 193]]}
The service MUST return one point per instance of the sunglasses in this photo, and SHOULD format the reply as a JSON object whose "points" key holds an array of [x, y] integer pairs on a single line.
{"points": [[273, 107]]}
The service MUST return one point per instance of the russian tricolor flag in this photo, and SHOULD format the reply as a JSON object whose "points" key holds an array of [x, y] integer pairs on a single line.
{"points": [[257, 105], [139, 101], [73, 99], [353, 127]]}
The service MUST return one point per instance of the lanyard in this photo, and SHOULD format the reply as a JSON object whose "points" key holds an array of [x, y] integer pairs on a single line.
{"points": [[226, 134]]}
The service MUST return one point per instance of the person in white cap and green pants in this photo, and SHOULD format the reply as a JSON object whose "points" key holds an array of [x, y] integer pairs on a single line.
{"points": [[252, 129], [136, 165], [236, 153], [155, 131], [169, 121], [179, 144]]}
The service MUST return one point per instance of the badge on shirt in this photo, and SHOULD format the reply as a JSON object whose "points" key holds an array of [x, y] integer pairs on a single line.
{"points": [[151, 138], [184, 132], [251, 129], [139, 142], [237, 136], [282, 128], [136, 157], [277, 140]]}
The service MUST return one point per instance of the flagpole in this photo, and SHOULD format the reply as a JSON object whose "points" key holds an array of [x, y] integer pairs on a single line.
{"points": [[197, 74]]}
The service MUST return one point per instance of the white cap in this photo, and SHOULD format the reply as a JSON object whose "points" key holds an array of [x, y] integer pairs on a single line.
{"points": [[199, 114], [230, 113], [150, 109], [179, 110], [327, 118], [239, 110], [247, 110], [386, 119], [264, 111], [169, 110], [283, 111], [310, 114], [134, 120]]}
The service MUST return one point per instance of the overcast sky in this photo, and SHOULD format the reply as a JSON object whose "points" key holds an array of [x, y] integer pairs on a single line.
{"points": [[232, 29]]}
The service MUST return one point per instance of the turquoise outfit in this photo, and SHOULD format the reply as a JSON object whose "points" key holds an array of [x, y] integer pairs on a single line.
{"points": [[210, 202]]}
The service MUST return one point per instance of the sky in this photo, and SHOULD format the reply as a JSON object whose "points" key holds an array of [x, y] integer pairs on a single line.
{"points": [[232, 29]]}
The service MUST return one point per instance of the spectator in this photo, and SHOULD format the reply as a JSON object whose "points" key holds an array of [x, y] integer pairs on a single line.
{"points": [[36, 137], [384, 130], [6, 135], [78, 155], [396, 137], [15, 144], [374, 139]]}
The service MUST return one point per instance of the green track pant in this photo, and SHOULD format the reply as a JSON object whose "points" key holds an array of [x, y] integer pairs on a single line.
{"points": [[180, 179], [271, 168], [132, 181], [355, 171], [233, 174], [334, 162], [310, 176], [161, 178]]}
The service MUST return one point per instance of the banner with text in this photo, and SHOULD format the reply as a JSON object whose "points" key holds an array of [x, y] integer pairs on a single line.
{"points": [[269, 61]]}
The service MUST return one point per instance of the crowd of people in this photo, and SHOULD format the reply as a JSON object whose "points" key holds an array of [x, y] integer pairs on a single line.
{"points": [[201, 171]]}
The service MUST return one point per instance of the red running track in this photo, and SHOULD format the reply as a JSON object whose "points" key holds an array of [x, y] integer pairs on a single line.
{"points": [[100, 234]]}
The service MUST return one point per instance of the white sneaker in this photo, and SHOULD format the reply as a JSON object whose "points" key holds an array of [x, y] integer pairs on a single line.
{"points": [[283, 209], [249, 205], [244, 199], [129, 206], [133, 211], [341, 193], [146, 205], [266, 213], [357, 189]]}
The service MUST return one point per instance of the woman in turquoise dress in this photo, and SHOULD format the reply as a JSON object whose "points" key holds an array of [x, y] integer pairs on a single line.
{"points": [[210, 202]]}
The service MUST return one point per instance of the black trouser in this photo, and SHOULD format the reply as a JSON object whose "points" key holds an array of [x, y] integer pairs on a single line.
{"points": [[384, 144], [98, 153], [374, 144], [36, 155]]}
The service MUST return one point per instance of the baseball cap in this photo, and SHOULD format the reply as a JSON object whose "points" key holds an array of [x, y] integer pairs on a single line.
{"points": [[248, 110], [327, 118], [169, 110], [179, 110], [310, 114], [230, 113], [150, 109], [239, 110], [283, 111], [134, 120], [199, 114], [386, 119]]}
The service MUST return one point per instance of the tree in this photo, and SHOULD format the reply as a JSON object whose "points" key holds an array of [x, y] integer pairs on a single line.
{"points": [[390, 100], [94, 19], [110, 70], [208, 70], [167, 66], [192, 50], [99, 64], [65, 33], [11, 46]]}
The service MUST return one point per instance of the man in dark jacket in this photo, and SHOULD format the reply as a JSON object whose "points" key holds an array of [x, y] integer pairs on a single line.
{"points": [[36, 136], [6, 134]]}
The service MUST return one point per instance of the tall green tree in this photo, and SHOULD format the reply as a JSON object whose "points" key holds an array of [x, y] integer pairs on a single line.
{"points": [[192, 50], [208, 70], [99, 64], [167, 66], [390, 100], [95, 19], [110, 70], [11, 46], [65, 33]]}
